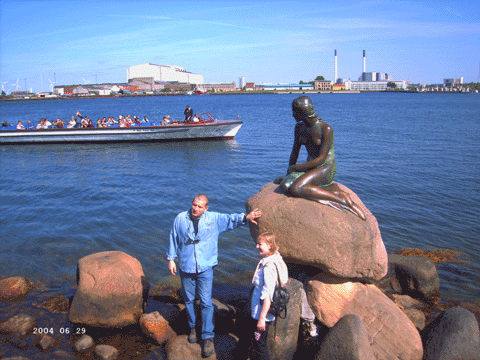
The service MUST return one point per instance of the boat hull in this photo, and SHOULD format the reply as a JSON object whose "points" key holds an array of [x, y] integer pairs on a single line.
{"points": [[183, 132]]}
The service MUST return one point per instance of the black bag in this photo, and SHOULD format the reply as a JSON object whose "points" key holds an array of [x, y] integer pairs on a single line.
{"points": [[280, 299]]}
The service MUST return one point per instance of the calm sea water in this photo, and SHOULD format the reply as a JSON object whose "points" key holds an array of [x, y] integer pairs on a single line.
{"points": [[413, 159]]}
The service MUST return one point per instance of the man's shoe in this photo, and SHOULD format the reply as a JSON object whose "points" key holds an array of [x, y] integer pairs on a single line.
{"points": [[192, 337], [208, 347]]}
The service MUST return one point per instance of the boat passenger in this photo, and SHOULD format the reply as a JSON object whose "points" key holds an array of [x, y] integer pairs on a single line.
{"points": [[59, 123], [84, 122], [78, 119], [195, 118], [29, 125], [5, 124], [90, 124], [121, 123], [166, 120], [20, 126], [41, 124], [71, 123], [188, 113], [47, 124], [145, 119]]}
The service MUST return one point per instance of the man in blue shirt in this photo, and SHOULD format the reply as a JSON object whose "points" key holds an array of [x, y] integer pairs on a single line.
{"points": [[78, 119], [194, 240], [29, 125]]}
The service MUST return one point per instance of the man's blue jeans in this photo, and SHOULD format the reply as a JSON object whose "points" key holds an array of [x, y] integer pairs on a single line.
{"points": [[202, 284]]}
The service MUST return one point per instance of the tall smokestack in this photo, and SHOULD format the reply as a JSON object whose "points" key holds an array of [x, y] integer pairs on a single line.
{"points": [[335, 77], [364, 62]]}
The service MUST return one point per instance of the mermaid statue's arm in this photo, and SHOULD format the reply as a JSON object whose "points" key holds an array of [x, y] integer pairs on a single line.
{"points": [[325, 138], [295, 149]]}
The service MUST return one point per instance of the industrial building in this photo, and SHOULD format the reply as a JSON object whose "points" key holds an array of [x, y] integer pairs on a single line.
{"points": [[372, 81], [374, 85], [241, 83], [452, 82], [220, 87], [286, 87], [375, 76], [322, 85], [163, 73]]}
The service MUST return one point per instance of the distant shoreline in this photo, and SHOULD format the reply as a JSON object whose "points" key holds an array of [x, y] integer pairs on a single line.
{"points": [[6, 98]]}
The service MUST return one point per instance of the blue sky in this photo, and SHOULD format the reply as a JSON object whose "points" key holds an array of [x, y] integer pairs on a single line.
{"points": [[266, 42]]}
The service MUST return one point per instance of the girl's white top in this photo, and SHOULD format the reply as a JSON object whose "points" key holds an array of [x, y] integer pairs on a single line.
{"points": [[264, 280]]}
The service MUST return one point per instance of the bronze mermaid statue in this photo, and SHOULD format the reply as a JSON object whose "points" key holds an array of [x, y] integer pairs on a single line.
{"points": [[313, 180]]}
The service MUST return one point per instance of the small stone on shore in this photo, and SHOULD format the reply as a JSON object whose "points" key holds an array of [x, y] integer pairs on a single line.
{"points": [[14, 289], [21, 324]]}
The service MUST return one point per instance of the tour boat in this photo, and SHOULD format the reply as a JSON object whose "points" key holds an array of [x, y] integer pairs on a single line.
{"points": [[205, 129]]}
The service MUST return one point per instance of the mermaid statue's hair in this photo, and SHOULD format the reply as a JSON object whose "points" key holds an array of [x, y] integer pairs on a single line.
{"points": [[305, 104]]}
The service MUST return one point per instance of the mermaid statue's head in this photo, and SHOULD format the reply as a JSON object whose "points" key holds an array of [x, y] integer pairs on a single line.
{"points": [[304, 106]]}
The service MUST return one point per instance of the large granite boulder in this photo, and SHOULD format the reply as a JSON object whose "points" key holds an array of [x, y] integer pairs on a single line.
{"points": [[347, 339], [111, 290], [453, 335], [310, 233], [392, 335]]}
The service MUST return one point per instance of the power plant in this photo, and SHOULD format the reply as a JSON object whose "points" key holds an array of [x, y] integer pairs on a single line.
{"points": [[364, 62], [335, 76], [373, 81]]}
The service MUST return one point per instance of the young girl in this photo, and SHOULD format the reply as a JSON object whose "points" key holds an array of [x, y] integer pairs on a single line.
{"points": [[269, 270]]}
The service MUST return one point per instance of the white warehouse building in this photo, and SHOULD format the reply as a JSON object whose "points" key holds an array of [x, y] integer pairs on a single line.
{"points": [[163, 73], [374, 85]]}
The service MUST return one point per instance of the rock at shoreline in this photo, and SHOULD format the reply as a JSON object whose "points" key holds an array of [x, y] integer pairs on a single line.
{"points": [[15, 288], [310, 233], [453, 335], [111, 290], [413, 308], [347, 339], [20, 324], [282, 337], [180, 349], [390, 331], [84, 343], [106, 352], [46, 343], [155, 326], [416, 275]]}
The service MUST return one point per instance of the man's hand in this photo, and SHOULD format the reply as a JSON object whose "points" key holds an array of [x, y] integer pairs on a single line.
{"points": [[172, 267], [254, 214]]}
